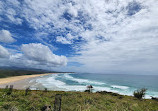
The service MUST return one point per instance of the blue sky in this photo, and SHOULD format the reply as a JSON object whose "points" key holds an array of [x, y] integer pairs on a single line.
{"points": [[116, 36]]}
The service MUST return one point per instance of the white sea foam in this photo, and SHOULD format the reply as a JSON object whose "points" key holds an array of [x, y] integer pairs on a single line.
{"points": [[97, 88], [74, 88], [67, 76], [52, 80], [151, 93], [119, 87], [52, 83]]}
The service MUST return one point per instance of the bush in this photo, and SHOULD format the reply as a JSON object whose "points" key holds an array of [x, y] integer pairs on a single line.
{"points": [[87, 91], [139, 93]]}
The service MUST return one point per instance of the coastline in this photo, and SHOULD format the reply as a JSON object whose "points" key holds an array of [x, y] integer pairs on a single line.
{"points": [[37, 82], [21, 82]]}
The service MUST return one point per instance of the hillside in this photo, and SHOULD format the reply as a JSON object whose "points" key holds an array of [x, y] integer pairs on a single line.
{"points": [[14, 71], [73, 101], [17, 72]]}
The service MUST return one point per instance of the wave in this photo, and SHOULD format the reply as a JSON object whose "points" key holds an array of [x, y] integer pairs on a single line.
{"points": [[55, 82], [119, 87], [50, 82], [86, 81]]}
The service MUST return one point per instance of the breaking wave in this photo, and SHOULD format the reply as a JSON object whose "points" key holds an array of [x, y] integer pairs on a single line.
{"points": [[67, 82], [69, 77]]}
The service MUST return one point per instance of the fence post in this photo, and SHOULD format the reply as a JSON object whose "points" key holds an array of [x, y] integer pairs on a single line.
{"points": [[10, 90], [27, 91], [57, 103]]}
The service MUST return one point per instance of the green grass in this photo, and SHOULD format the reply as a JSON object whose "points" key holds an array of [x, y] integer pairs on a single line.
{"points": [[73, 101]]}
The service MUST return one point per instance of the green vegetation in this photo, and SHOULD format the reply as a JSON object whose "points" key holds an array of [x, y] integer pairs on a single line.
{"points": [[139, 93], [9, 72], [4, 72], [73, 101]]}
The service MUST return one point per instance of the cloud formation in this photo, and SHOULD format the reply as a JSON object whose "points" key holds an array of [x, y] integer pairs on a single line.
{"points": [[42, 54], [3, 52], [33, 55], [106, 35], [5, 36]]}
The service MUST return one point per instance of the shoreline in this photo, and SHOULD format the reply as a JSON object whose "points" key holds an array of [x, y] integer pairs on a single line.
{"points": [[25, 81], [21, 82], [17, 78]]}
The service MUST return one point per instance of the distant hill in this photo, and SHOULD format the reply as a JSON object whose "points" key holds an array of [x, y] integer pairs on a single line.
{"points": [[16, 71]]}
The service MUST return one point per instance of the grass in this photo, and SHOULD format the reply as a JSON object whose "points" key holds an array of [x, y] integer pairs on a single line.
{"points": [[73, 101]]}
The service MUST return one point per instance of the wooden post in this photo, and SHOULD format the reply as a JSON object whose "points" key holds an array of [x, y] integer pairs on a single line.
{"points": [[57, 102], [27, 91], [10, 90]]}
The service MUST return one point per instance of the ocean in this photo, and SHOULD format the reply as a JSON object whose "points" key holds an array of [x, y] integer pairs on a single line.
{"points": [[119, 83]]}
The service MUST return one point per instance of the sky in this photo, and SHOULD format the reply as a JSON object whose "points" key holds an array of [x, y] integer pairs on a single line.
{"points": [[99, 36]]}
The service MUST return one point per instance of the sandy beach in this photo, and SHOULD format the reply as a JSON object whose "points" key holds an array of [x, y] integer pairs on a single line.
{"points": [[21, 82]]}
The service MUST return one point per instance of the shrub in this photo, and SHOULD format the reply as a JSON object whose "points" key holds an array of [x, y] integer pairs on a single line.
{"points": [[87, 91], [111, 93], [139, 93], [154, 98]]}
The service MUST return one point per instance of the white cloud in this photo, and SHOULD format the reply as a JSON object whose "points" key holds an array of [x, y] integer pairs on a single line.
{"points": [[62, 40], [3, 52], [11, 15], [65, 40], [6, 37], [41, 53], [33, 55], [118, 35], [72, 10], [10, 10]]}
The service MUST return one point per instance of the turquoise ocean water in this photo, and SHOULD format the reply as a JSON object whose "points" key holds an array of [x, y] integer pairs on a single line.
{"points": [[119, 83]]}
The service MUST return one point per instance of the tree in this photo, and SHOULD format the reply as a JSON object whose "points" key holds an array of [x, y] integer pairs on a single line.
{"points": [[140, 93]]}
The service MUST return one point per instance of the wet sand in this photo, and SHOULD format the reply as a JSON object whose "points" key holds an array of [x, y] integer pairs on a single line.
{"points": [[22, 82]]}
